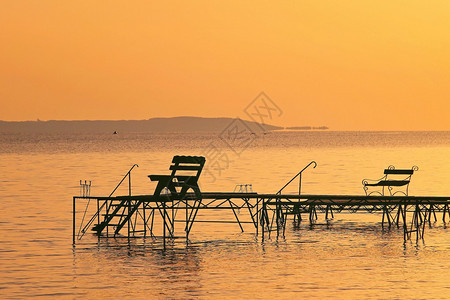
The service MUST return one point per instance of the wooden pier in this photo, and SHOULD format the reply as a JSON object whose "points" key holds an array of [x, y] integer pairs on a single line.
{"points": [[134, 216]]}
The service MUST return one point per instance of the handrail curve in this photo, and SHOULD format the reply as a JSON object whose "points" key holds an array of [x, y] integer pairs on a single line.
{"points": [[298, 174]]}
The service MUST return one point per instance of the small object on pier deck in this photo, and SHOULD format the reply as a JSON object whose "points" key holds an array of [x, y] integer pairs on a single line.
{"points": [[243, 188], [85, 188], [115, 132], [392, 180]]}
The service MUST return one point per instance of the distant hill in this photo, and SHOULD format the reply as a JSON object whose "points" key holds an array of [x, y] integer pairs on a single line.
{"points": [[176, 124]]}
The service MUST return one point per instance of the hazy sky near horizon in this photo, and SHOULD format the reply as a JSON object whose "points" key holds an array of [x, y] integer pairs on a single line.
{"points": [[349, 65]]}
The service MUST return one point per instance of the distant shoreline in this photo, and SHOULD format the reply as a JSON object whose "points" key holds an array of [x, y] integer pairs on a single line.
{"points": [[175, 124]]}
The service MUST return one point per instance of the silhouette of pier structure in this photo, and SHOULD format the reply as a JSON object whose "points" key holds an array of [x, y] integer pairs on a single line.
{"points": [[178, 199]]}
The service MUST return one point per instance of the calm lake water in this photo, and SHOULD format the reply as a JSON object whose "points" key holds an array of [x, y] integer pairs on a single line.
{"points": [[351, 258]]}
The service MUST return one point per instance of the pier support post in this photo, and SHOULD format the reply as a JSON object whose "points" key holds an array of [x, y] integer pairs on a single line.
{"points": [[235, 215], [164, 224], [278, 216], [328, 209], [263, 212], [446, 210], [145, 219], [397, 216], [257, 216], [73, 222], [406, 235], [187, 222], [312, 214]]}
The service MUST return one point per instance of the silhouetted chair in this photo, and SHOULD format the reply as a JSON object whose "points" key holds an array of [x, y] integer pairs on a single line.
{"points": [[185, 173], [396, 181]]}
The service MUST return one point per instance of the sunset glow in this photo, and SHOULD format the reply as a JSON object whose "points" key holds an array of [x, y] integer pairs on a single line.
{"points": [[348, 65]]}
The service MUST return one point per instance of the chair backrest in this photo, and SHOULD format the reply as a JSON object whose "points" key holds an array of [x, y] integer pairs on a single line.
{"points": [[396, 178], [187, 164]]}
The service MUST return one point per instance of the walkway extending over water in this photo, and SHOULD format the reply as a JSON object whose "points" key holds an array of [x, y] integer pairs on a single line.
{"points": [[134, 216]]}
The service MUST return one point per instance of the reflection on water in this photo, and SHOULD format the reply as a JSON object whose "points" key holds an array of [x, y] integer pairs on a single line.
{"points": [[348, 259], [352, 257]]}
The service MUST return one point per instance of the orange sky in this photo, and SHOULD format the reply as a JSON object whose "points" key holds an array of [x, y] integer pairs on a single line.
{"points": [[350, 65]]}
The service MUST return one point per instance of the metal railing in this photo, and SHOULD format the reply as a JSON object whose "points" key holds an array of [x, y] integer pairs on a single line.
{"points": [[129, 181], [299, 174], [82, 231]]}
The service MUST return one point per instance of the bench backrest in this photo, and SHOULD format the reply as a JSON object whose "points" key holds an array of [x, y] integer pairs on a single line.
{"points": [[187, 164], [399, 174], [399, 171]]}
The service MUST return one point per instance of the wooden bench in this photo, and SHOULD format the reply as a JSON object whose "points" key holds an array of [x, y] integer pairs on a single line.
{"points": [[396, 181], [185, 173]]}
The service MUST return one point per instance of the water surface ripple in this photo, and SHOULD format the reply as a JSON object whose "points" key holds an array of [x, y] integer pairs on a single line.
{"points": [[352, 257]]}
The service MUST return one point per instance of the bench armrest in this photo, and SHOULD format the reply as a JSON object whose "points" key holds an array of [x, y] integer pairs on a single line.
{"points": [[369, 182], [158, 177]]}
